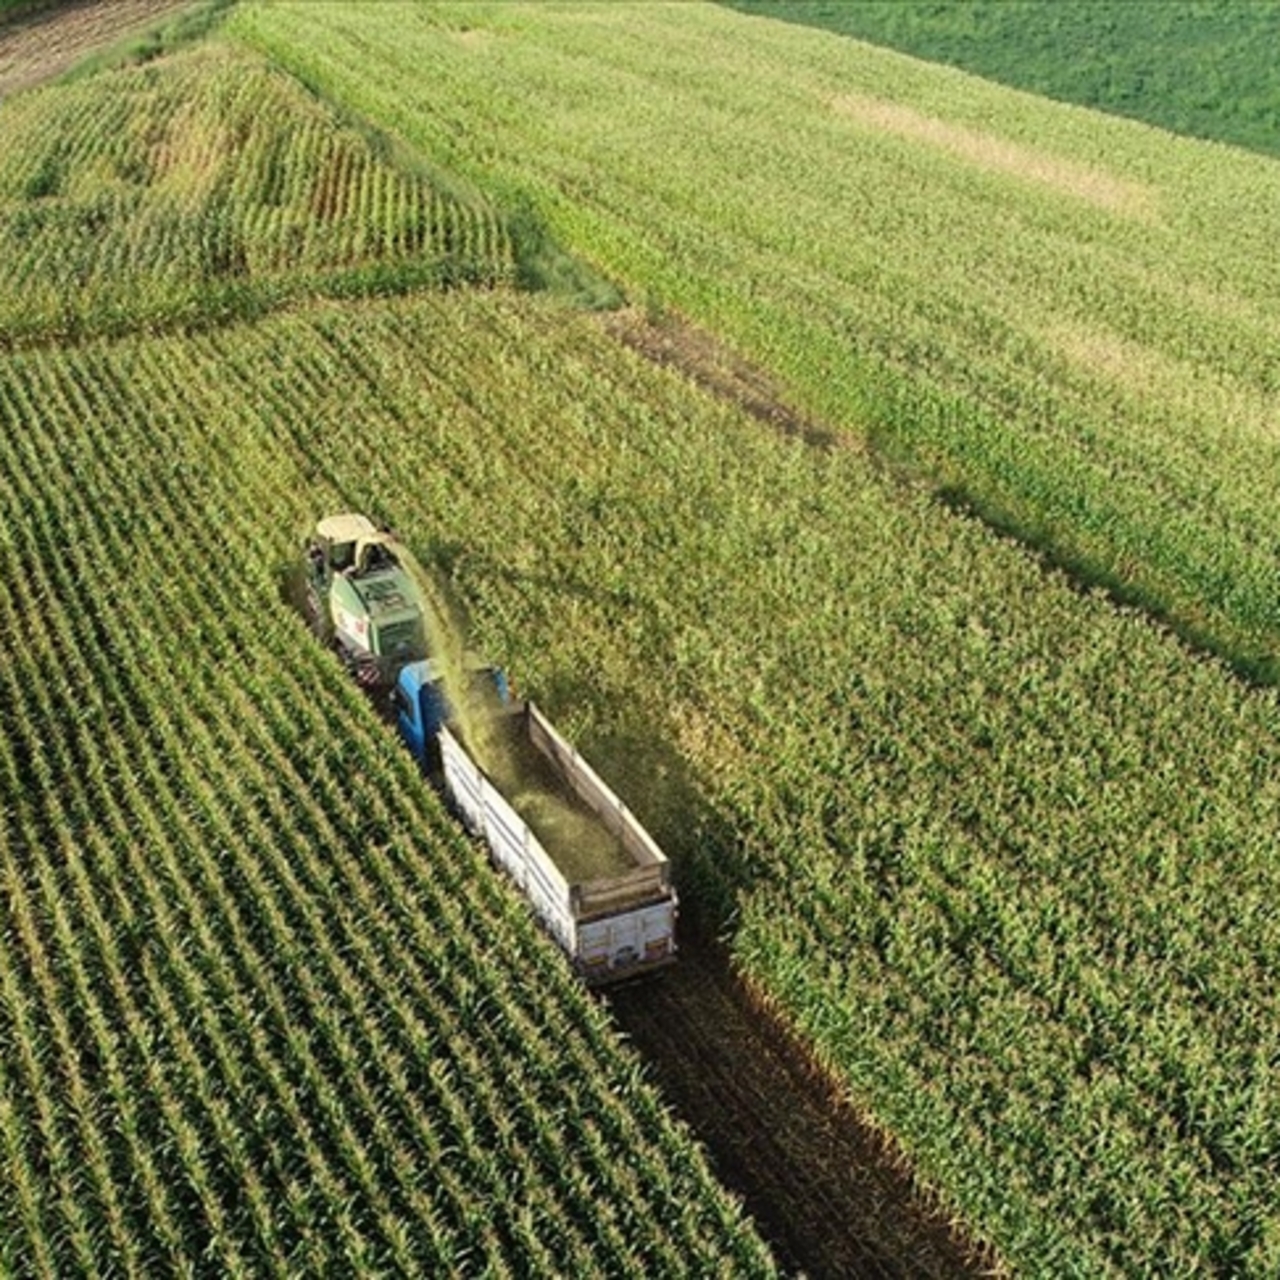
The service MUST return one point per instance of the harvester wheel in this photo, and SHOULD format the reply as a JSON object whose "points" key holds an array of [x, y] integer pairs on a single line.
{"points": [[315, 614]]}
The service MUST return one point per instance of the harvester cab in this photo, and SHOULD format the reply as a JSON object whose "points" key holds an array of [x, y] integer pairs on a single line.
{"points": [[362, 598], [372, 552], [334, 547]]}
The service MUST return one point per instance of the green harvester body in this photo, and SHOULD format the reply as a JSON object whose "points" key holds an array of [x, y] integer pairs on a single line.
{"points": [[360, 596]]}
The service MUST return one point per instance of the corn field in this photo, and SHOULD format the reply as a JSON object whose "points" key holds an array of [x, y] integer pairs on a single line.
{"points": [[207, 185], [264, 1008], [1000, 848], [1064, 321], [1004, 852]]}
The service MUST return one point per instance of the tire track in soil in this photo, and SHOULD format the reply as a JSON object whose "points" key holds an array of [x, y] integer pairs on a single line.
{"points": [[823, 1187]]}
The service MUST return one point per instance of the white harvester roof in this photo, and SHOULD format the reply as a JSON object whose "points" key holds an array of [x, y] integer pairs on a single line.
{"points": [[348, 527]]}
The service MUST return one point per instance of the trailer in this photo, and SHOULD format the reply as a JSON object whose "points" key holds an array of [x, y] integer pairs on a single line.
{"points": [[594, 876]]}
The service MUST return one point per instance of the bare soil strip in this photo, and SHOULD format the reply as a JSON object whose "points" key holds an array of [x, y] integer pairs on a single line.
{"points": [[674, 343], [827, 1191], [41, 45]]}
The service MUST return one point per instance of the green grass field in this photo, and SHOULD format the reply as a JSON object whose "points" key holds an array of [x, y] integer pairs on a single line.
{"points": [[1199, 67], [1000, 848], [18, 8]]}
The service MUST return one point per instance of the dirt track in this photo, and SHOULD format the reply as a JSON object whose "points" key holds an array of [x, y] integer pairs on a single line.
{"points": [[44, 44], [824, 1189]]}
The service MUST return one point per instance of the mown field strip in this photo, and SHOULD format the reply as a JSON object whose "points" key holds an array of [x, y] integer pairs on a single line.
{"points": [[36, 46]]}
